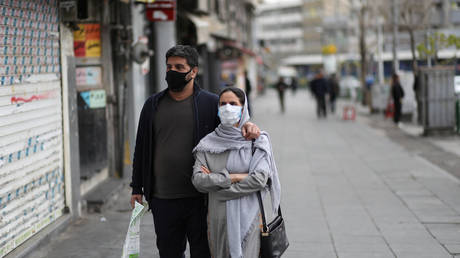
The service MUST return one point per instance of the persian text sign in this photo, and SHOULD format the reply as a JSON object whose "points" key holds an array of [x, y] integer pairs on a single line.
{"points": [[94, 98], [87, 40], [88, 76], [161, 10]]}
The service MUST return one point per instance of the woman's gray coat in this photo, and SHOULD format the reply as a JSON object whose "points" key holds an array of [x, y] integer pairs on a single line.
{"points": [[219, 187]]}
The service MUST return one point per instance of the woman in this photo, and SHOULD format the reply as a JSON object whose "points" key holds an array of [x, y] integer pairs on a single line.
{"points": [[397, 93], [231, 170]]}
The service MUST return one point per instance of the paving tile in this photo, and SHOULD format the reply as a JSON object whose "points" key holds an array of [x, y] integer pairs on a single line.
{"points": [[347, 191]]}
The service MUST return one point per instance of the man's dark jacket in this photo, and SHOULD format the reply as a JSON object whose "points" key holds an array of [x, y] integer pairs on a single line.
{"points": [[205, 105], [319, 87]]}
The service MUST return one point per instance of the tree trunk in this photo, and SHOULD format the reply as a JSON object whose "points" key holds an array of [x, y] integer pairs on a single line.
{"points": [[416, 85], [412, 48]]}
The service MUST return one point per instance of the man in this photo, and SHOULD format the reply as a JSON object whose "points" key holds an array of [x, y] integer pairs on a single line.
{"points": [[248, 86], [281, 86], [397, 93], [294, 85], [171, 123], [319, 89]]}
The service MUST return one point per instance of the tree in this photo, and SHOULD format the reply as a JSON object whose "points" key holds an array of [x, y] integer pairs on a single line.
{"points": [[365, 11], [439, 41], [414, 16], [363, 47]]}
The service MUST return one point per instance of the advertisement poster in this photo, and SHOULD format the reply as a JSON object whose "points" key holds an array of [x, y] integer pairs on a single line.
{"points": [[94, 98], [87, 40], [89, 77]]}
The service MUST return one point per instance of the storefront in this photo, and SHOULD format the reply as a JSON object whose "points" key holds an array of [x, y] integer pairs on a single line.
{"points": [[31, 135]]}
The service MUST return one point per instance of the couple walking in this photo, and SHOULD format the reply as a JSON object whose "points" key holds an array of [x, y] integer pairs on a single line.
{"points": [[322, 87], [191, 143]]}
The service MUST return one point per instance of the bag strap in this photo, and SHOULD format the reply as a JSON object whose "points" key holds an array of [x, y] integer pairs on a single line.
{"points": [[262, 213]]}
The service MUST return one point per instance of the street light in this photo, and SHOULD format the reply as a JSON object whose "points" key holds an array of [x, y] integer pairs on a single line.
{"points": [[395, 11]]}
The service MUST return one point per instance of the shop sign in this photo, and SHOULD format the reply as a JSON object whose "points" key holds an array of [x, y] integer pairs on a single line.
{"points": [[94, 98], [161, 10], [87, 40], [88, 76]]}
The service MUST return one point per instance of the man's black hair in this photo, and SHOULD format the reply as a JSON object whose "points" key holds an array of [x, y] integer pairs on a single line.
{"points": [[189, 53], [237, 91]]}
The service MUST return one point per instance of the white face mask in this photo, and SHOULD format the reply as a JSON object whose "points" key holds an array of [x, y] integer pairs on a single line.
{"points": [[229, 115]]}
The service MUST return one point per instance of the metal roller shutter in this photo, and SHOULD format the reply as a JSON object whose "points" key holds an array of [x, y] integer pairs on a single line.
{"points": [[31, 146]]}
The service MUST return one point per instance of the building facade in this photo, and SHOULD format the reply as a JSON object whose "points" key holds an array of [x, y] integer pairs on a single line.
{"points": [[72, 88], [32, 174], [321, 23]]}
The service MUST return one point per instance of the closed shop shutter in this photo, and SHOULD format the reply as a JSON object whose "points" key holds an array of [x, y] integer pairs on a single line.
{"points": [[31, 145]]}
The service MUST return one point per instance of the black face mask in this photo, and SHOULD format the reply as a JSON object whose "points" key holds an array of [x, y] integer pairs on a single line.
{"points": [[176, 80]]}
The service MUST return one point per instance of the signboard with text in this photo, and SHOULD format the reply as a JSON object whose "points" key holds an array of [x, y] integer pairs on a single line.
{"points": [[161, 10], [88, 77], [87, 40]]}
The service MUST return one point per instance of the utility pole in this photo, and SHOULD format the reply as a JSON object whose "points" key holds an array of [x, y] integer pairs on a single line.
{"points": [[380, 48], [395, 11]]}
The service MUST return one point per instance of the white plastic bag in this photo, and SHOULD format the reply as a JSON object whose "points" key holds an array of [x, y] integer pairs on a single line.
{"points": [[132, 242]]}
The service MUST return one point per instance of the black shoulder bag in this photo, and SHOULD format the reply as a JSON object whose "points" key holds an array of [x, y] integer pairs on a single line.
{"points": [[273, 238]]}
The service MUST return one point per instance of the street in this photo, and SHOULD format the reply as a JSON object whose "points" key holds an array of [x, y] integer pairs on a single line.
{"points": [[347, 191]]}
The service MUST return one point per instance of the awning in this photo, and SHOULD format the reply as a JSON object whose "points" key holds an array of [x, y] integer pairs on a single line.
{"points": [[386, 56], [205, 26], [315, 59], [244, 50], [202, 27], [240, 47], [287, 71]]}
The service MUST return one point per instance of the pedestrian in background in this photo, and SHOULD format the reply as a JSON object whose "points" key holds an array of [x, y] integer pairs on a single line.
{"points": [[294, 85], [171, 123], [319, 88], [248, 86], [397, 93], [333, 90], [232, 170], [281, 87]]}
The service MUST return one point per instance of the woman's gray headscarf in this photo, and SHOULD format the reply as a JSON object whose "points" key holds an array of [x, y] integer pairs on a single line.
{"points": [[242, 212]]}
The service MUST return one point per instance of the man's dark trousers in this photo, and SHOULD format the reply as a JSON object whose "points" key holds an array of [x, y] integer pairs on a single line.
{"points": [[397, 113], [179, 220], [321, 106]]}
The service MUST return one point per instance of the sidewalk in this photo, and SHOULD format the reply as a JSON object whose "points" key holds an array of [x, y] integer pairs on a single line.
{"points": [[348, 190], [100, 235], [441, 150]]}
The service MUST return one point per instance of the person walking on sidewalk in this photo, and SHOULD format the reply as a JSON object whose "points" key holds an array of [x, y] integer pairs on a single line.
{"points": [[319, 88], [171, 123], [397, 93], [294, 85], [281, 87], [232, 170], [248, 87], [333, 89]]}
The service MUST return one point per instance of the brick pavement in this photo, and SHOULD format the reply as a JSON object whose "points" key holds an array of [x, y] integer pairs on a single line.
{"points": [[347, 191]]}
